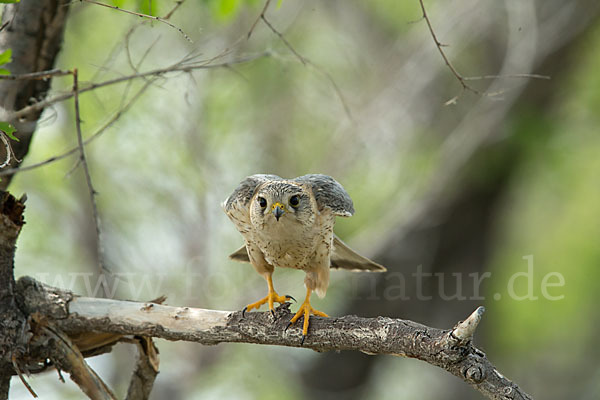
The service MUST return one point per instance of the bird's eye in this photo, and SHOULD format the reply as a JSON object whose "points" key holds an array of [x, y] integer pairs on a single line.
{"points": [[294, 201], [262, 202]]}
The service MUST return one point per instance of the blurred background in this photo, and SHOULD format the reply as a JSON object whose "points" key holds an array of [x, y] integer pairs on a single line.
{"points": [[486, 200]]}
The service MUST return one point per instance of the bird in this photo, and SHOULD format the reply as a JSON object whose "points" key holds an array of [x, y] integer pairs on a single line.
{"points": [[288, 223]]}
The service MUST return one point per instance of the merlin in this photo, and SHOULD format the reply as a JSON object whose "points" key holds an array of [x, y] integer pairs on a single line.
{"points": [[288, 223]]}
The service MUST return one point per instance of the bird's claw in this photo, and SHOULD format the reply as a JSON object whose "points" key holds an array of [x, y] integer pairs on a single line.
{"points": [[244, 311], [302, 341], [290, 297]]}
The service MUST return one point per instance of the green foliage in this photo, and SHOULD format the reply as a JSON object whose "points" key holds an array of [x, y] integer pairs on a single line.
{"points": [[9, 1], [5, 58], [225, 10], [8, 129], [144, 7]]}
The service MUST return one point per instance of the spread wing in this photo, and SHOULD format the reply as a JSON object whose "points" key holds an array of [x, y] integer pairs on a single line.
{"points": [[342, 257], [328, 193]]}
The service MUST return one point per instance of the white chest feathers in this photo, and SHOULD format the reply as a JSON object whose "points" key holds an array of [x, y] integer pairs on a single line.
{"points": [[289, 244]]}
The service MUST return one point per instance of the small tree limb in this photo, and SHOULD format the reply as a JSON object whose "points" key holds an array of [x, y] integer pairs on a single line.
{"points": [[451, 350], [145, 371]]}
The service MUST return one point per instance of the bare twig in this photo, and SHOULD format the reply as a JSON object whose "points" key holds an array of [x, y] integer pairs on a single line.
{"points": [[178, 67], [155, 18], [306, 62], [146, 369], [463, 79], [262, 14], [8, 148], [21, 377], [284, 40], [439, 45], [517, 76], [88, 179], [68, 358], [36, 75]]}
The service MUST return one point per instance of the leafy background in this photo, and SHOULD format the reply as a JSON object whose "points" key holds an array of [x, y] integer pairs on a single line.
{"points": [[162, 170]]}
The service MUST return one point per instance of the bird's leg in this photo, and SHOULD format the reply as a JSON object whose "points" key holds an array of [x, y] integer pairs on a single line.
{"points": [[305, 310], [270, 298]]}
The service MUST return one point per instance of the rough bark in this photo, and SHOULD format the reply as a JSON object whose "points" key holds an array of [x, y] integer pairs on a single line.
{"points": [[450, 349], [12, 321], [34, 32], [145, 371]]}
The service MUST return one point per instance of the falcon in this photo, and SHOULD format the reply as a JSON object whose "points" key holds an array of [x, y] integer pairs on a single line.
{"points": [[288, 223]]}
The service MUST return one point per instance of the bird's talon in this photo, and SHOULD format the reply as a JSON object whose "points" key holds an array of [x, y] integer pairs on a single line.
{"points": [[244, 312], [302, 341], [272, 314], [288, 325], [290, 297]]}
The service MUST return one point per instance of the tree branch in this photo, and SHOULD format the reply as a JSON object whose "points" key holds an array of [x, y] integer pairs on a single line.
{"points": [[451, 350], [182, 66], [146, 369]]}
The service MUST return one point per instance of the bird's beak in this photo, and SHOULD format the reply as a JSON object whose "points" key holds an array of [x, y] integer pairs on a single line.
{"points": [[278, 210]]}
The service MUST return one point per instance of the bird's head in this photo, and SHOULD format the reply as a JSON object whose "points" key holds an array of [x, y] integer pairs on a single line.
{"points": [[280, 203]]}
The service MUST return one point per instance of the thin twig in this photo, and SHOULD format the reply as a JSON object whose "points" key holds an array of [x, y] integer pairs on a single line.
{"points": [[21, 377], [178, 67], [178, 4], [7, 148], [463, 79], [119, 45], [164, 21], [509, 76], [4, 25], [307, 62], [36, 75], [439, 46], [284, 40], [262, 14], [88, 179]]}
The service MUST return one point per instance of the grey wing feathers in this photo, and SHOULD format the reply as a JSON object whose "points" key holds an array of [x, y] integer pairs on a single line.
{"points": [[245, 190], [328, 193], [240, 255], [344, 257]]}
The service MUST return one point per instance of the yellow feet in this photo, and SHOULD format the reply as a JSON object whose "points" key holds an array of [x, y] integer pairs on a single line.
{"points": [[271, 297], [305, 310]]}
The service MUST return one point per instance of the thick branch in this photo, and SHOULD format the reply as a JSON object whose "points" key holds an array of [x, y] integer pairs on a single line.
{"points": [[451, 350]]}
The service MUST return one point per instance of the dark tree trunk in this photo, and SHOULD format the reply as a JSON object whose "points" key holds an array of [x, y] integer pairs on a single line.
{"points": [[12, 319], [33, 30]]}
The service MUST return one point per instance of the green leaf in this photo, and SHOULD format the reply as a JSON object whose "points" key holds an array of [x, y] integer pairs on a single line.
{"points": [[4, 71], [8, 129], [5, 57], [226, 9], [9, 1]]}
